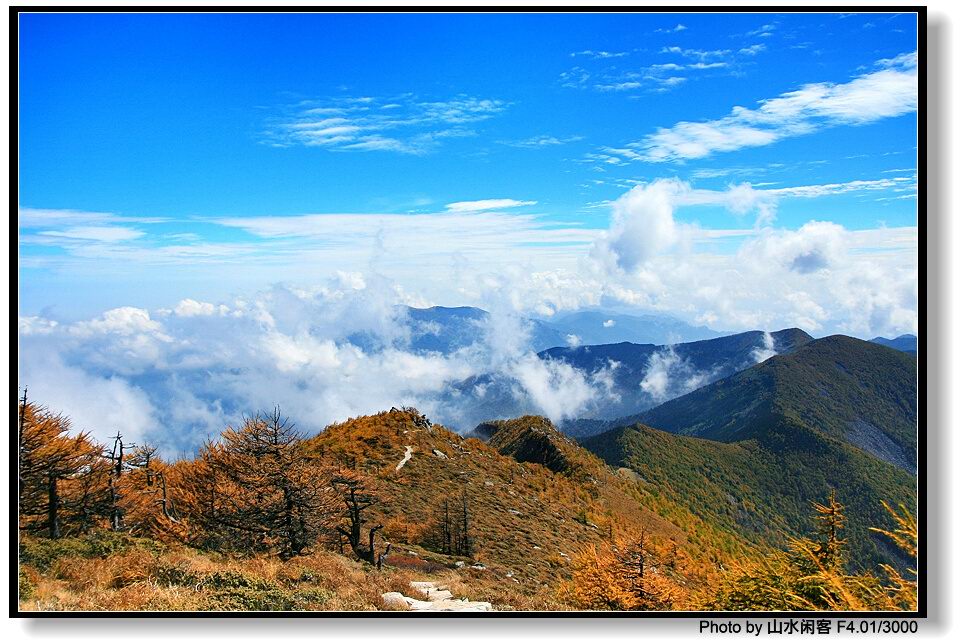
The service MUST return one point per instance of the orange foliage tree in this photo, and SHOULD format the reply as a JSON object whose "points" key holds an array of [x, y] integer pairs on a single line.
{"points": [[258, 489], [632, 574], [62, 479]]}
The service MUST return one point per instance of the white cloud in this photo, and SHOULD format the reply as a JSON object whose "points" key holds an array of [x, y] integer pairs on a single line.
{"points": [[764, 31], [102, 234], [181, 375], [542, 141], [192, 308], [100, 404], [487, 204], [765, 351], [899, 183], [817, 245], [42, 218], [558, 390], [643, 222], [667, 376], [888, 92], [701, 54], [752, 50], [608, 323], [403, 124], [599, 54], [642, 225], [176, 379]]}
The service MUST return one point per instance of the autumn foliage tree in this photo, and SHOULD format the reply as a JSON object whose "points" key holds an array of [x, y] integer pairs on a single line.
{"points": [[634, 573], [62, 479], [257, 490], [811, 574]]}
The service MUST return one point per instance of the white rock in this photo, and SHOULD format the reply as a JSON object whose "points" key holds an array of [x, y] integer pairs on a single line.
{"points": [[395, 600], [438, 599]]}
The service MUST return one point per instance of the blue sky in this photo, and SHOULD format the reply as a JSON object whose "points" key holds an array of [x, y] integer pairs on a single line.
{"points": [[211, 206], [165, 157]]}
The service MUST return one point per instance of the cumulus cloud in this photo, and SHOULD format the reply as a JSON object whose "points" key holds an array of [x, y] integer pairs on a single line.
{"points": [[642, 224], [335, 343], [95, 403], [192, 308], [643, 220], [817, 245], [177, 377]]}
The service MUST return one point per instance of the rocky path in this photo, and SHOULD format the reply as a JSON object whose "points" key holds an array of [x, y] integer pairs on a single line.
{"points": [[437, 598]]}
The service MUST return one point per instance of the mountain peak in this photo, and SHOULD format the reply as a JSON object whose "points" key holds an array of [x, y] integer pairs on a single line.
{"points": [[536, 440]]}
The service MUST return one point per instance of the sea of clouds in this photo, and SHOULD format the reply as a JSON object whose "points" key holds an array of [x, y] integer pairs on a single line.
{"points": [[176, 376]]}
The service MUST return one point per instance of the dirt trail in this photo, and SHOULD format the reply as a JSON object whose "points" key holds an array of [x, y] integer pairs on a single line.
{"points": [[401, 464]]}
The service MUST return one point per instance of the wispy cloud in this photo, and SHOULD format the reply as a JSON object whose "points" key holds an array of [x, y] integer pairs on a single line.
{"points": [[765, 31], [889, 91], [536, 142], [897, 184], [752, 50], [486, 204], [659, 77], [38, 218], [102, 234], [403, 124], [599, 55], [700, 54], [676, 29]]}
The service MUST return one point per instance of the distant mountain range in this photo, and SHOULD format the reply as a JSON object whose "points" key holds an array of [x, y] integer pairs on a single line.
{"points": [[903, 343], [630, 377], [844, 388], [645, 375], [445, 330], [600, 327], [753, 449]]}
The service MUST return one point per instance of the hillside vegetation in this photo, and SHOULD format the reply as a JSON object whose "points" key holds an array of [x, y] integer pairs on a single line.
{"points": [[265, 518], [843, 388]]}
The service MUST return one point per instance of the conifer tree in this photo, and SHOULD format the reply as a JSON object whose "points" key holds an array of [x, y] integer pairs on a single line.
{"points": [[61, 478], [261, 490]]}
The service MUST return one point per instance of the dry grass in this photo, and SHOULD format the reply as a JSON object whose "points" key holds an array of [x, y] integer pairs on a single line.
{"points": [[179, 578]]}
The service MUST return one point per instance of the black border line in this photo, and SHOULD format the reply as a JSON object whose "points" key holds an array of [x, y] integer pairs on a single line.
{"points": [[14, 12]]}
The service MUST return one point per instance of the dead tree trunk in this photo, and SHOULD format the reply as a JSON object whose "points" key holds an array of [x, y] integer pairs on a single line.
{"points": [[356, 500], [117, 469], [20, 423], [53, 507]]}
